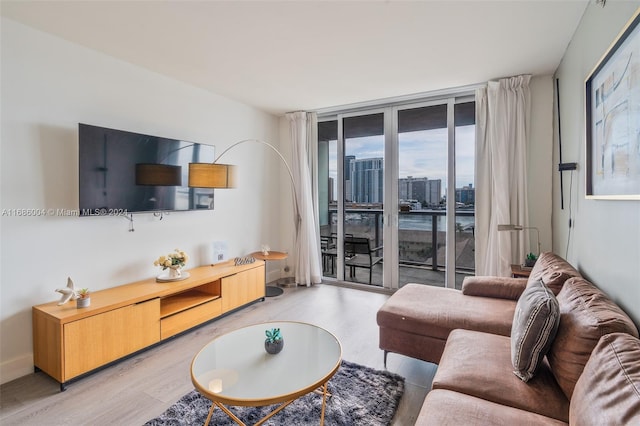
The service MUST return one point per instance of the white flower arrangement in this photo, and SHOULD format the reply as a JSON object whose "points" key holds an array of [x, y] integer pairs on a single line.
{"points": [[176, 259]]}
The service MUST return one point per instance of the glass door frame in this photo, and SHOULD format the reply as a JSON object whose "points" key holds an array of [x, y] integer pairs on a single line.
{"points": [[385, 111], [450, 212], [390, 222], [394, 170]]}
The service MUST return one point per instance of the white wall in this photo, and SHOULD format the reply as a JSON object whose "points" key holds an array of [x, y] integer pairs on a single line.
{"points": [[540, 167], [48, 87], [604, 242]]}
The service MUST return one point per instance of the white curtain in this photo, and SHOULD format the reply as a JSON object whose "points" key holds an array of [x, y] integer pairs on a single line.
{"points": [[502, 133], [303, 131]]}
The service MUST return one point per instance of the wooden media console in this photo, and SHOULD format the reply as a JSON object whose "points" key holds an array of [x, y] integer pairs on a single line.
{"points": [[69, 342]]}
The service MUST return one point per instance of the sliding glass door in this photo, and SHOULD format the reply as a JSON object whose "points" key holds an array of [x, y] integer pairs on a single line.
{"points": [[352, 158], [422, 179], [363, 197], [465, 156], [397, 194], [436, 195]]}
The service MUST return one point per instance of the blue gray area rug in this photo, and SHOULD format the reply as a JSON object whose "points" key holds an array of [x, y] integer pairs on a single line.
{"points": [[361, 396]]}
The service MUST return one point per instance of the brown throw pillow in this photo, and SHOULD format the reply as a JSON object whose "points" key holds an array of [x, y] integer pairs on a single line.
{"points": [[608, 390], [553, 271], [535, 323], [496, 287], [586, 314]]}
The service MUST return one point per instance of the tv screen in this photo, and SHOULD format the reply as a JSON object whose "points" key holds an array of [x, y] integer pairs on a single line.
{"points": [[124, 172]]}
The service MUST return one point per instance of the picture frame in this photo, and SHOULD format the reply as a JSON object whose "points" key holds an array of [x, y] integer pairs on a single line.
{"points": [[220, 252], [612, 106]]}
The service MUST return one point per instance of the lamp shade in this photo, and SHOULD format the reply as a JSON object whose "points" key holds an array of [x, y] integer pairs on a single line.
{"points": [[158, 174], [211, 175]]}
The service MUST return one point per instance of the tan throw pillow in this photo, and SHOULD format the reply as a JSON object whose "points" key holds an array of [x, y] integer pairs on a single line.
{"points": [[535, 323]]}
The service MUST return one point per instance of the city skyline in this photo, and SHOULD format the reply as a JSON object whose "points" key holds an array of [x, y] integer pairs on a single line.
{"points": [[421, 154]]}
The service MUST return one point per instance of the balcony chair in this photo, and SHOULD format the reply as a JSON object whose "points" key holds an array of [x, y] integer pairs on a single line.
{"points": [[359, 254], [329, 252]]}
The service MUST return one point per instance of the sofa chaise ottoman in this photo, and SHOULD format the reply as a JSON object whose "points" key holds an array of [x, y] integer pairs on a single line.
{"points": [[417, 319]]}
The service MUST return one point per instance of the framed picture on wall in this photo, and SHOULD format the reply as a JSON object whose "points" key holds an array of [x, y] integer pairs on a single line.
{"points": [[613, 119]]}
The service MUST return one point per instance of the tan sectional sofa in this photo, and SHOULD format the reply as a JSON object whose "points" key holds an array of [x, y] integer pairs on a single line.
{"points": [[591, 374]]}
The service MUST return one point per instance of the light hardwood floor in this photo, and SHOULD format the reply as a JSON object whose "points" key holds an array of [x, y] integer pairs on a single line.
{"points": [[140, 388]]}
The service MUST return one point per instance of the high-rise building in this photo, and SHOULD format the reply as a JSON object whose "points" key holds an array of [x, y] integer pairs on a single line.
{"points": [[347, 166], [434, 192], [348, 192], [367, 180], [424, 190], [466, 194]]}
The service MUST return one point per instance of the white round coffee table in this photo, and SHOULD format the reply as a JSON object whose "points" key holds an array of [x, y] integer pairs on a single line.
{"points": [[234, 369]]}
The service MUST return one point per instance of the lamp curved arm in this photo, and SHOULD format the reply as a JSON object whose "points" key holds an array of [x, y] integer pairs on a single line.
{"points": [[274, 149], [264, 143]]}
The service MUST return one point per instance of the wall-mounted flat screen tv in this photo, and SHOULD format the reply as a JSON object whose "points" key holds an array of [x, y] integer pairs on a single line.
{"points": [[125, 172]]}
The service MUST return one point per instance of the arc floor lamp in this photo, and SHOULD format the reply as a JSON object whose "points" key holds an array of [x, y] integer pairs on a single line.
{"points": [[219, 175]]}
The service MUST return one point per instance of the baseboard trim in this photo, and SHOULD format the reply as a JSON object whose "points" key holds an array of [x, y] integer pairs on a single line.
{"points": [[358, 286], [16, 368]]}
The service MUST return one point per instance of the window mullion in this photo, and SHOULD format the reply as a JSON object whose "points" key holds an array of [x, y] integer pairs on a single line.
{"points": [[450, 269]]}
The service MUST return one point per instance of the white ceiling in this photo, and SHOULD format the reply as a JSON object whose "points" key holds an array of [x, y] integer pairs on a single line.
{"points": [[283, 55]]}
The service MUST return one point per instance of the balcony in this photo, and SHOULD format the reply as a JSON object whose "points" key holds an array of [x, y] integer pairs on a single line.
{"points": [[422, 245]]}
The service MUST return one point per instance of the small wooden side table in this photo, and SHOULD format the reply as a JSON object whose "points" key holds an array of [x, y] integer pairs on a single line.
{"points": [[518, 271], [270, 291]]}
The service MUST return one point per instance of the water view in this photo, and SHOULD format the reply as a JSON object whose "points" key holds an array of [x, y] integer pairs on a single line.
{"points": [[418, 245]]}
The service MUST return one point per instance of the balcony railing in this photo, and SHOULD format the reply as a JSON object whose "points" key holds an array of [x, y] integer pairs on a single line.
{"points": [[421, 235]]}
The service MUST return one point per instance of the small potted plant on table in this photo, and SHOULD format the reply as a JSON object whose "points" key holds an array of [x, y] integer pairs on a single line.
{"points": [[530, 260], [274, 342], [83, 300]]}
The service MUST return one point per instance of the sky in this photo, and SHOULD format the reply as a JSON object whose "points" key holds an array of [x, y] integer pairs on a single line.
{"points": [[421, 154]]}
